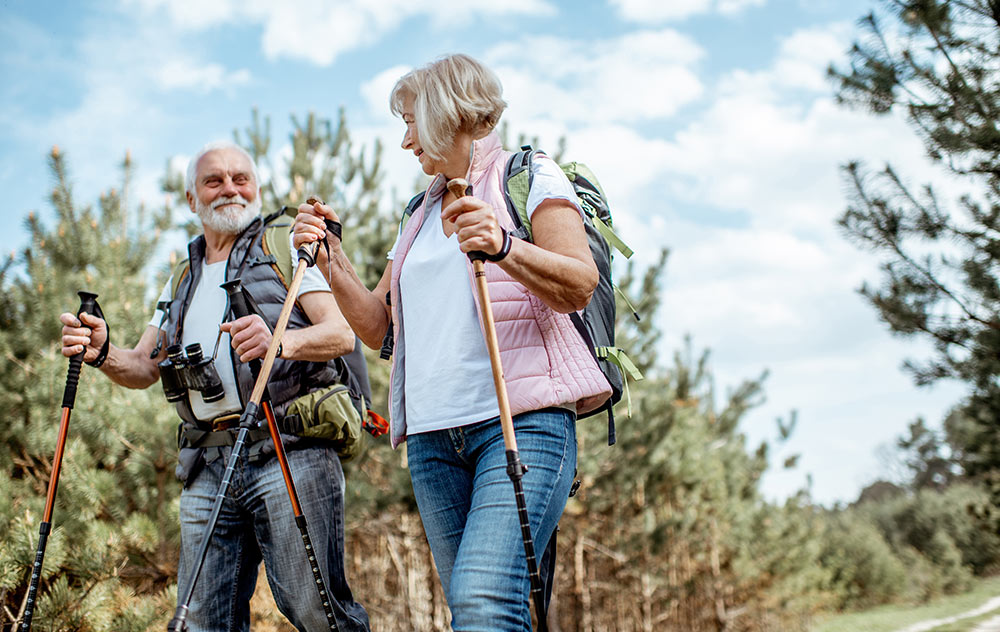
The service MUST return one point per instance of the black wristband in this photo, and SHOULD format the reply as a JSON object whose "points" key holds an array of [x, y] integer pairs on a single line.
{"points": [[479, 255], [334, 227], [103, 355]]}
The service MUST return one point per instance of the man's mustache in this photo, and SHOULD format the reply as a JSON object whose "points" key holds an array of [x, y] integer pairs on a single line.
{"points": [[236, 199]]}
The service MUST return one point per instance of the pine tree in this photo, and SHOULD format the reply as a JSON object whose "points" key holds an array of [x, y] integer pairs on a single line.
{"points": [[926, 457], [672, 514], [115, 516], [111, 561], [937, 61]]}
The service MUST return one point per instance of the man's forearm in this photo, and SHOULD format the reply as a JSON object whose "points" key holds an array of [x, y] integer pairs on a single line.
{"points": [[131, 368], [316, 343]]}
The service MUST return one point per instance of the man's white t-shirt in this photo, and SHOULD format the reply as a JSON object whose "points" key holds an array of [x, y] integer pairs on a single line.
{"points": [[206, 310], [449, 382]]}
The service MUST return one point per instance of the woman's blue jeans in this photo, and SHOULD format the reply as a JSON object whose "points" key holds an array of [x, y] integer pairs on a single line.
{"points": [[467, 505]]}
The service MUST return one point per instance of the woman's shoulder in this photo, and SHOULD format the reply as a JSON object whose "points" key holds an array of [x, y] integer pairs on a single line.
{"points": [[542, 164]]}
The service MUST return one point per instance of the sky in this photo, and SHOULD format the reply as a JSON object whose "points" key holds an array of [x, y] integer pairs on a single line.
{"points": [[710, 123]]}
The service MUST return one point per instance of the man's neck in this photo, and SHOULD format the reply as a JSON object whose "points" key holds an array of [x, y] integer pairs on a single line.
{"points": [[217, 245]]}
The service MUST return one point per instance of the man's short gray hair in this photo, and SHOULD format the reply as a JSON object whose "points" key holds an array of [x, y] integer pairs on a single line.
{"points": [[192, 170]]}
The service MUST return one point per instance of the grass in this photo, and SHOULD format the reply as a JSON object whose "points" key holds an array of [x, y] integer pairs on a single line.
{"points": [[965, 625], [895, 617]]}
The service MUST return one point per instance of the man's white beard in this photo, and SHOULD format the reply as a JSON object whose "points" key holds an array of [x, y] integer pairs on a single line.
{"points": [[230, 221]]}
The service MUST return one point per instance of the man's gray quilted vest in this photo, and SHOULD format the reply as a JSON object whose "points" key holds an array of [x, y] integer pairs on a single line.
{"points": [[288, 380]]}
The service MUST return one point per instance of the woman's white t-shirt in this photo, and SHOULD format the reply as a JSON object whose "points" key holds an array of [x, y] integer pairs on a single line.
{"points": [[448, 381]]}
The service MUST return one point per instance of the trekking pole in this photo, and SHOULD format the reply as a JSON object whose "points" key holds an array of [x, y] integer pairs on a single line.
{"points": [[240, 309], [88, 305], [515, 469], [251, 413]]}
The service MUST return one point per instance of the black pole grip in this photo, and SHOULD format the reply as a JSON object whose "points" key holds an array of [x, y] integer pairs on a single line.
{"points": [[239, 306], [88, 305], [306, 254], [72, 379]]}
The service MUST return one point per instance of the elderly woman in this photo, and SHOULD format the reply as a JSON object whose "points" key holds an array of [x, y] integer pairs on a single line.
{"points": [[443, 402]]}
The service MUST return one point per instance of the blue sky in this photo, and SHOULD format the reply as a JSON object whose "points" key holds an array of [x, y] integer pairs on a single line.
{"points": [[710, 123]]}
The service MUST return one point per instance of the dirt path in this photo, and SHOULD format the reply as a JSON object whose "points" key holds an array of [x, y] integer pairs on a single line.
{"points": [[991, 625]]}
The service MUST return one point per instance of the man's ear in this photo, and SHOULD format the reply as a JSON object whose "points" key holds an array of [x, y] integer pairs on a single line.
{"points": [[190, 200]]}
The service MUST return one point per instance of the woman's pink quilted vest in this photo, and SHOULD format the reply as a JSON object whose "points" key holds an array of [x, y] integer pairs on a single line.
{"points": [[545, 360]]}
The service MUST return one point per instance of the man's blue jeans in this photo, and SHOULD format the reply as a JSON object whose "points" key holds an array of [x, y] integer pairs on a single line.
{"points": [[257, 523], [467, 506]]}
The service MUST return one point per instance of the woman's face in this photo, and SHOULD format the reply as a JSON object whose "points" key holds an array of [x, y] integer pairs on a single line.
{"points": [[455, 162]]}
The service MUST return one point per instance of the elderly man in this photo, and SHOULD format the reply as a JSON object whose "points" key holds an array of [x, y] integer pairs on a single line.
{"points": [[256, 522]]}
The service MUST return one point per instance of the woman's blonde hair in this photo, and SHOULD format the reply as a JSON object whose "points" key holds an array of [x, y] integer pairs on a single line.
{"points": [[452, 94]]}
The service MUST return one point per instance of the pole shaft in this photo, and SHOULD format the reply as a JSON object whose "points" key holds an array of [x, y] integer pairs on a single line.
{"points": [[50, 498], [279, 331], [279, 450], [178, 623], [493, 346], [515, 469], [88, 305], [256, 397]]}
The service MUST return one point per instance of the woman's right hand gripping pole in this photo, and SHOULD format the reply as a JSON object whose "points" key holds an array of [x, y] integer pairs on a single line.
{"points": [[311, 227]]}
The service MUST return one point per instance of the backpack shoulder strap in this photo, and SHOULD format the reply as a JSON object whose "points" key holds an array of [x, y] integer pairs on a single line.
{"points": [[411, 206], [516, 184], [180, 271], [277, 228]]}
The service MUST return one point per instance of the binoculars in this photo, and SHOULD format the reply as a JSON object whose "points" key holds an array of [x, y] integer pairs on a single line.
{"points": [[187, 368]]}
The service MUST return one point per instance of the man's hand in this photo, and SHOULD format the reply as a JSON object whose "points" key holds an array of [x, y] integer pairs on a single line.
{"points": [[87, 336], [250, 336]]}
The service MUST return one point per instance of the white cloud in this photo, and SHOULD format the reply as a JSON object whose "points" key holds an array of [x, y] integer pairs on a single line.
{"points": [[658, 11], [745, 193], [181, 73], [319, 31], [729, 7], [376, 92], [805, 55], [639, 76]]}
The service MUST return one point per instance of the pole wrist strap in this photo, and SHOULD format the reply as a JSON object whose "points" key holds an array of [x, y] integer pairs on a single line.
{"points": [[103, 355]]}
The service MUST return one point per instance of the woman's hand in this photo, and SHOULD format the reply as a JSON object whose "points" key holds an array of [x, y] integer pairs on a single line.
{"points": [[310, 228], [475, 224]]}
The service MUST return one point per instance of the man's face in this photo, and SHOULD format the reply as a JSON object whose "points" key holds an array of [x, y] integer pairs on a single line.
{"points": [[226, 196]]}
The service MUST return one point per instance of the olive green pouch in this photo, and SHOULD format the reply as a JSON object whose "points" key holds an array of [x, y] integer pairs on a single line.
{"points": [[329, 413]]}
